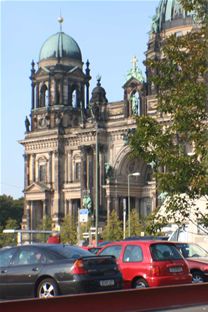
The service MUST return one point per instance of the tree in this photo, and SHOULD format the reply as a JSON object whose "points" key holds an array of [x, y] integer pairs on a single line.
{"points": [[68, 230], [113, 229], [136, 224], [8, 239], [180, 78], [10, 209], [44, 225]]}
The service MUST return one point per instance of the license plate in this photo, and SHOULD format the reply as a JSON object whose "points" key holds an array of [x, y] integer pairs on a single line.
{"points": [[105, 283], [175, 269]]}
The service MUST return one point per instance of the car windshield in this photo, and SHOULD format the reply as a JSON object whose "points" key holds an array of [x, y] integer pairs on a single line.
{"points": [[192, 250], [164, 252]]}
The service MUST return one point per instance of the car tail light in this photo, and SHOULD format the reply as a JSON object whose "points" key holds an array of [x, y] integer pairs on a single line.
{"points": [[78, 267], [155, 270]]}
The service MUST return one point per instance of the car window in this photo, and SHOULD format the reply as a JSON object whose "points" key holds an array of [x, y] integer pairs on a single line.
{"points": [[37, 256], [21, 258], [6, 256], [114, 250], [133, 254], [29, 256], [191, 250], [162, 252]]}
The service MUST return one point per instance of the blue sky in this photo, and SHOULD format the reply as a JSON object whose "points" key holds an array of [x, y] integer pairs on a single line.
{"points": [[109, 34]]}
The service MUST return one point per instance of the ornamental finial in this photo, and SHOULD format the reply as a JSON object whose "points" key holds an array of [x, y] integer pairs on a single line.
{"points": [[60, 20]]}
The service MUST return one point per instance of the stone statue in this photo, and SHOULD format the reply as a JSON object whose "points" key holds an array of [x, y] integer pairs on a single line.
{"points": [[108, 170], [27, 124], [95, 111], [87, 202], [134, 104]]}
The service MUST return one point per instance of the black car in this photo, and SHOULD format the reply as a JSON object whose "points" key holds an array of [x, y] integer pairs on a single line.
{"points": [[50, 270]]}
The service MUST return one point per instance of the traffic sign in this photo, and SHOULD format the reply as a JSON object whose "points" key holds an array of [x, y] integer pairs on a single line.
{"points": [[83, 215]]}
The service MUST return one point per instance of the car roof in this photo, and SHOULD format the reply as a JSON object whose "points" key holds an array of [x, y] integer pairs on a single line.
{"points": [[147, 237], [140, 242]]}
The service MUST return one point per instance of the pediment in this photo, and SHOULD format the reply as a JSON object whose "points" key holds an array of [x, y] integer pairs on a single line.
{"points": [[42, 71], [37, 187], [76, 71], [132, 82]]}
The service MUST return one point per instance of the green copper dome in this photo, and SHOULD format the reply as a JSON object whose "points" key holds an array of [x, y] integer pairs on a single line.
{"points": [[60, 45], [168, 14]]}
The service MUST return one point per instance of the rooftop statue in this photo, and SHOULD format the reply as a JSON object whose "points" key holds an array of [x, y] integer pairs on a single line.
{"points": [[135, 72], [27, 124]]}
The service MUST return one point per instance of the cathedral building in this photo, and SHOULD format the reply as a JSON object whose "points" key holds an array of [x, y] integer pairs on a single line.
{"points": [[76, 151]]}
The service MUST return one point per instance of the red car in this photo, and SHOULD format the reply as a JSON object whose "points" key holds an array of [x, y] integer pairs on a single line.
{"points": [[148, 263], [197, 259]]}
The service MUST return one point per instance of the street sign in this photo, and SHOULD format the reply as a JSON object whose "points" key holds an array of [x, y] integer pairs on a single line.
{"points": [[83, 215]]}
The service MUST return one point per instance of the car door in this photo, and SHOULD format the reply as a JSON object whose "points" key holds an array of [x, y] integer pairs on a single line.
{"points": [[132, 264], [22, 273], [6, 255]]}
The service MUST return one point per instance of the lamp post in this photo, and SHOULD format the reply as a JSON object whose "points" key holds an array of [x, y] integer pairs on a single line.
{"points": [[95, 113], [134, 174], [97, 186]]}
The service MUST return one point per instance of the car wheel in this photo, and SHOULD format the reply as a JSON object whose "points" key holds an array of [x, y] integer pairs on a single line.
{"points": [[47, 288], [140, 283], [197, 277]]}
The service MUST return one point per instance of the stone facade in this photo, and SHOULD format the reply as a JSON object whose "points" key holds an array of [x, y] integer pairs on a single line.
{"points": [[68, 132]]}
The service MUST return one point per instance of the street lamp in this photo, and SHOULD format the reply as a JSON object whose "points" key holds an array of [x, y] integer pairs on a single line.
{"points": [[97, 185], [95, 113], [134, 174]]}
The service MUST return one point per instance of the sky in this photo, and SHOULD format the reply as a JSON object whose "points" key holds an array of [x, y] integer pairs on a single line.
{"points": [[109, 34]]}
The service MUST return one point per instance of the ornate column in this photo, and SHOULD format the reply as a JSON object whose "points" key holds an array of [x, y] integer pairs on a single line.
{"points": [[69, 160], [55, 92], [37, 95], [66, 171], [83, 181], [28, 216], [49, 90], [70, 208], [33, 168], [89, 169], [108, 201], [26, 171], [69, 101], [50, 168], [61, 91], [33, 95], [44, 208]]}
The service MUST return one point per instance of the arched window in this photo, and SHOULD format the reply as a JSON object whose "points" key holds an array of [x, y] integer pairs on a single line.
{"points": [[42, 170], [135, 104], [43, 96], [77, 171], [74, 98]]}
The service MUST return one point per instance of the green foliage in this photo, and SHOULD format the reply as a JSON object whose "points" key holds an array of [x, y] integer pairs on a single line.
{"points": [[44, 225], [181, 80], [10, 208], [68, 231], [7, 239], [113, 230], [136, 225], [11, 211], [153, 226]]}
